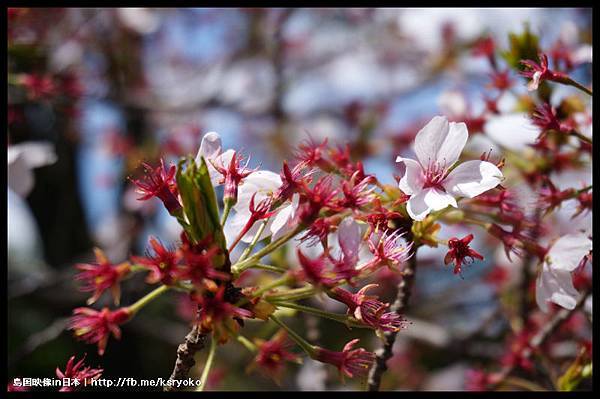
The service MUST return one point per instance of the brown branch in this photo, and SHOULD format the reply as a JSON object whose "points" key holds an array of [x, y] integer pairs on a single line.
{"points": [[541, 337], [194, 341], [382, 355]]}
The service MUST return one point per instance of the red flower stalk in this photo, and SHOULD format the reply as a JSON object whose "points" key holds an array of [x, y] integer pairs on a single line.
{"points": [[491, 104], [341, 158], [311, 154], [77, 371], [199, 266], [163, 264], [584, 202], [318, 230], [273, 354], [368, 309], [233, 174], [257, 212], [217, 315], [356, 194], [350, 362], [101, 276], [95, 327], [38, 87], [380, 217], [545, 118], [160, 183], [551, 197], [500, 80], [460, 253], [292, 181], [518, 351], [316, 270], [512, 241], [484, 47], [561, 54], [540, 72], [322, 195], [388, 252]]}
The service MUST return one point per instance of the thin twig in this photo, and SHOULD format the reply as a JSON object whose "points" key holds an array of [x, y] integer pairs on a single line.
{"points": [[194, 341], [382, 355], [540, 338]]}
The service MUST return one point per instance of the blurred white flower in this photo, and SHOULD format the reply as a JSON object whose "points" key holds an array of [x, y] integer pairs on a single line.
{"points": [[311, 376], [140, 20], [554, 283], [24, 157], [514, 131]]}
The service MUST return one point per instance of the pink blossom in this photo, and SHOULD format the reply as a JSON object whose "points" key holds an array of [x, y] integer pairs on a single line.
{"points": [[429, 181]]}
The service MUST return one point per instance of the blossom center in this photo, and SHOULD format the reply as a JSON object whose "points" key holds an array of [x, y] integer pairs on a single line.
{"points": [[434, 175]]}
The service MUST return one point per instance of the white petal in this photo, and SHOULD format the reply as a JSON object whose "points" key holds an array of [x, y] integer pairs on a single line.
{"points": [[261, 182], [567, 251], [264, 178], [472, 178], [555, 286], [452, 103], [210, 147], [437, 199], [535, 81], [281, 223], [236, 223], [412, 181], [20, 176], [349, 238], [453, 144], [441, 142], [34, 153], [416, 206], [512, 130], [429, 139]]}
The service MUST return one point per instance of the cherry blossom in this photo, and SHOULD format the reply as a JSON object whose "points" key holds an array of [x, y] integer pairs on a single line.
{"points": [[211, 150], [431, 182], [554, 283]]}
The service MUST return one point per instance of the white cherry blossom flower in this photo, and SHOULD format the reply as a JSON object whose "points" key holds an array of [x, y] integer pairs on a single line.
{"points": [[22, 159], [555, 283], [427, 180], [260, 184], [212, 150]]}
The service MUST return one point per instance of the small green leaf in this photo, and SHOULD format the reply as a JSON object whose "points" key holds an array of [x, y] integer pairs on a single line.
{"points": [[524, 46]]}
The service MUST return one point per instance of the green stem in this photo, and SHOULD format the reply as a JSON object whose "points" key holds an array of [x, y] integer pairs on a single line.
{"points": [[583, 190], [293, 295], [579, 86], [247, 343], [281, 281], [208, 364], [267, 249], [581, 137], [226, 209], [255, 240], [147, 299], [321, 313], [307, 347], [269, 268]]}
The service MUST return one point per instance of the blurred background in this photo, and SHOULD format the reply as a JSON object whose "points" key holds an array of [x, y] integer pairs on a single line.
{"points": [[93, 92]]}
